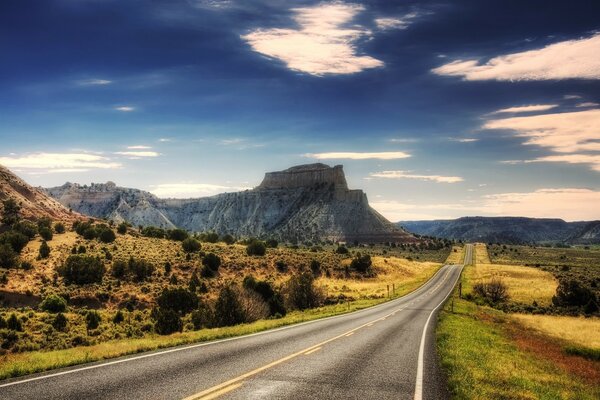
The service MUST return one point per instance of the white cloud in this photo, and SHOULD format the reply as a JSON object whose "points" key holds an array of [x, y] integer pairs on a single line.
{"points": [[164, 140], [464, 140], [587, 104], [189, 190], [125, 108], [403, 140], [323, 43], [572, 59], [385, 155], [408, 175], [139, 147], [59, 162], [229, 142], [520, 109], [138, 154], [591, 159], [571, 97], [386, 23], [560, 132], [94, 82]]}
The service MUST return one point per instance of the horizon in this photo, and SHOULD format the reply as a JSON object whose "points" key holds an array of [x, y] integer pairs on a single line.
{"points": [[436, 110]]}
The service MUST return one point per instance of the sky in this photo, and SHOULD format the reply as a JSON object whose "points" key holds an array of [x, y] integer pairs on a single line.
{"points": [[436, 109]]}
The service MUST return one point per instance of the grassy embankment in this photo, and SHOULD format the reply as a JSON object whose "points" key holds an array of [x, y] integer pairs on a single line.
{"points": [[489, 354], [405, 275]]}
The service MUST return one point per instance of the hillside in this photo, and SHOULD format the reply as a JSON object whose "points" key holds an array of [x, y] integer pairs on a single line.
{"points": [[510, 230], [34, 202], [307, 202]]}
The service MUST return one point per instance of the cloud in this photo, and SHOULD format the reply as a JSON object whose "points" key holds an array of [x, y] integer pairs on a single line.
{"points": [[59, 162], [229, 142], [572, 59], [139, 147], [189, 190], [587, 104], [125, 108], [385, 155], [94, 82], [138, 154], [324, 42], [571, 97], [408, 175], [386, 23], [560, 132], [403, 140], [398, 211], [164, 140], [521, 109], [592, 160], [464, 140]]}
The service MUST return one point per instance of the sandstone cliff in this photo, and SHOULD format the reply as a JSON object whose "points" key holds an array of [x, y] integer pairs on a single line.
{"points": [[304, 202]]}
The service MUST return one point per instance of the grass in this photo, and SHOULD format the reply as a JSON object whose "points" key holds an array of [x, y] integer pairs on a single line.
{"points": [[576, 330], [456, 255]]}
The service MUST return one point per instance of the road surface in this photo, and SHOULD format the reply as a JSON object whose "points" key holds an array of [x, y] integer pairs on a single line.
{"points": [[384, 352]]}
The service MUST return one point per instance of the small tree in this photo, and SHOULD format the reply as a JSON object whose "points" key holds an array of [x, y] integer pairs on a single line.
{"points": [[167, 322], [315, 267], [212, 261], [256, 248], [191, 245], [122, 228], [59, 228], [11, 212], [572, 293], [301, 291], [228, 308], [361, 263], [177, 299], [16, 240], [494, 291], [107, 235], [342, 250], [118, 318], [178, 235], [228, 239], [54, 304], [44, 250], [14, 323], [81, 269], [8, 257], [46, 233]]}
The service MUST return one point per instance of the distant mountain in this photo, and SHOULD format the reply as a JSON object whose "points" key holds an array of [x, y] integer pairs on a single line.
{"points": [[303, 202], [508, 230], [34, 202]]}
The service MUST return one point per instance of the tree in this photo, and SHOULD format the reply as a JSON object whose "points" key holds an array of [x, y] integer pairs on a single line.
{"points": [[256, 248], [228, 308], [301, 291], [228, 239], [16, 240], [11, 212], [44, 250], [177, 299], [315, 267], [27, 228], [191, 245], [92, 320], [572, 293], [361, 263], [178, 235], [8, 257], [82, 269], [122, 228], [14, 323], [53, 304], [272, 243], [154, 232], [167, 322], [141, 269], [59, 228], [107, 235], [341, 250], [212, 261], [494, 291], [209, 237]]}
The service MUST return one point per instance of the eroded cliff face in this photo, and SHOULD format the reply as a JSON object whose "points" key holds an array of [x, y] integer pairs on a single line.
{"points": [[304, 202]]}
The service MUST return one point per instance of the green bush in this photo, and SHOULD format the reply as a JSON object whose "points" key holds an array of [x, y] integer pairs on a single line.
{"points": [[81, 269], [272, 243], [92, 319], [167, 322], [107, 235], [10, 212], [118, 318], [45, 233], [154, 232], [191, 245], [16, 240], [342, 250], [177, 299], [361, 263], [571, 292], [178, 235], [60, 322], [315, 267], [44, 250], [256, 248], [212, 261], [59, 228], [54, 304], [301, 291], [8, 257], [228, 308], [27, 228], [140, 269], [228, 239], [14, 323], [122, 228], [209, 237], [119, 268]]}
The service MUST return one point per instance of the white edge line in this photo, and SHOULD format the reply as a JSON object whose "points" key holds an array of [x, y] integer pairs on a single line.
{"points": [[193, 346], [419, 380]]}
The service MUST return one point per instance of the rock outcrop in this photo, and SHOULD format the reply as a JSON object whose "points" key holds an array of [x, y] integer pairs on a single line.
{"points": [[34, 202], [307, 202]]}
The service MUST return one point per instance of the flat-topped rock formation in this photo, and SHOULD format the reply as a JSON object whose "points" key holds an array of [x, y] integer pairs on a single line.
{"points": [[307, 202]]}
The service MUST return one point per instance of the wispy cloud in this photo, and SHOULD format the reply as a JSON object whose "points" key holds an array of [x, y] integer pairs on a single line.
{"points": [[403, 140], [587, 104], [59, 162], [188, 190], [572, 59], [229, 142], [138, 154], [164, 140], [385, 155], [324, 42], [409, 175], [94, 82], [386, 23], [139, 147], [464, 140], [530, 108], [125, 108]]}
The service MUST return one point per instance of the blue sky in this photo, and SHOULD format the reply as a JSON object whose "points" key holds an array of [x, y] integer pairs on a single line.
{"points": [[436, 109]]}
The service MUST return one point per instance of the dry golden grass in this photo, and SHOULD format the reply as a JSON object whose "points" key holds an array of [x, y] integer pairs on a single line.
{"points": [[456, 255], [481, 254], [405, 275], [577, 330]]}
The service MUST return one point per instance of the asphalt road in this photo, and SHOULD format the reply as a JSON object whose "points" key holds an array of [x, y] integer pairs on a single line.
{"points": [[384, 352]]}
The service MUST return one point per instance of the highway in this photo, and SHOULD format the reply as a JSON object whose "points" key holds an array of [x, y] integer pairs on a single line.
{"points": [[383, 352]]}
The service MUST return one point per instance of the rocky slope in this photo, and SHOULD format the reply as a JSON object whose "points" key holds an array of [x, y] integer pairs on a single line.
{"points": [[304, 202], [35, 203], [508, 230]]}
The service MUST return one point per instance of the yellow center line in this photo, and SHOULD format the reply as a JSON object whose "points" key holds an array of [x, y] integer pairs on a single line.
{"points": [[219, 393], [350, 334], [312, 351]]}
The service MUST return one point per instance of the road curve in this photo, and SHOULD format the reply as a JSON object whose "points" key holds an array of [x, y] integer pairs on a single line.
{"points": [[384, 352]]}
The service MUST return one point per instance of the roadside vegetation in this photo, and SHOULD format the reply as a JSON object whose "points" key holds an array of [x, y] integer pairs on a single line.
{"points": [[505, 338]]}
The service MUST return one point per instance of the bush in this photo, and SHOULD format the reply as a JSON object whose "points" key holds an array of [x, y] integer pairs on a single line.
{"points": [[92, 320], [107, 235], [228, 308], [59, 228], [361, 263], [572, 293], [16, 240], [140, 269], [11, 212], [191, 245], [178, 235], [44, 222], [212, 261], [272, 243], [122, 228], [228, 239], [154, 232], [167, 322], [119, 269], [44, 250], [209, 237], [494, 291], [60, 322], [202, 317], [46, 233], [281, 266], [177, 299], [27, 228], [342, 250], [8, 257], [14, 323], [206, 272], [301, 291], [81, 269], [268, 294], [315, 267], [256, 248], [54, 304], [118, 318]]}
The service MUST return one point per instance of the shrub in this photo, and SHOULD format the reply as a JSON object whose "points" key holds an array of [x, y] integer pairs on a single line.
{"points": [[26, 265], [272, 243], [256, 248], [178, 234], [140, 269], [11, 212], [191, 245], [228, 239], [342, 250], [60, 322], [167, 322], [494, 291], [254, 307], [268, 294], [14, 323], [202, 317], [212, 261], [209, 237], [206, 272], [44, 222], [59, 228], [107, 235], [281, 266], [228, 308], [194, 283], [92, 320], [167, 268], [119, 269], [16, 240], [177, 299], [46, 233], [54, 304], [118, 318], [44, 250], [154, 232], [8, 257], [572, 293], [122, 228], [81, 269], [27, 228], [315, 267], [361, 263], [301, 291]]}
